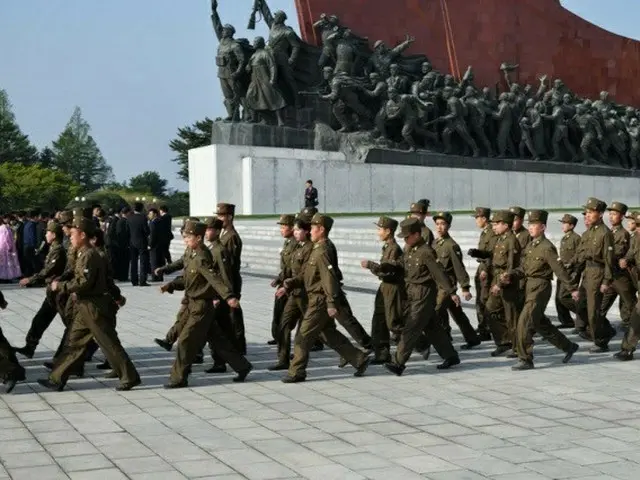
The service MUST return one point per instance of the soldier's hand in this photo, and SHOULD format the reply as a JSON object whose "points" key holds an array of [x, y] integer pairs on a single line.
{"points": [[214, 4], [495, 290], [281, 292], [216, 302], [274, 283], [467, 296], [74, 297], [24, 282], [364, 263], [483, 276], [287, 283], [122, 301], [233, 302], [164, 288], [472, 252], [575, 295], [622, 262], [410, 39], [604, 288], [157, 272], [54, 286], [543, 78], [3, 305], [456, 299], [332, 312], [505, 278]]}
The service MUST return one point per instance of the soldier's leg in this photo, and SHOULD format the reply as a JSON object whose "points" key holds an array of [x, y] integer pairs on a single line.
{"points": [[41, 321], [237, 323], [468, 333], [524, 332], [278, 308], [481, 313], [379, 330], [478, 130], [343, 115], [10, 368], [630, 340], [419, 310], [192, 339], [351, 324], [512, 300], [72, 354], [335, 340], [562, 299], [498, 323], [597, 323], [225, 350], [626, 292], [314, 321], [462, 130], [447, 133], [291, 315], [230, 99], [174, 332]]}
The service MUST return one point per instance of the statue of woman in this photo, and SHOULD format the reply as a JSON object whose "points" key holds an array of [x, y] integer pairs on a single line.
{"points": [[263, 95]]}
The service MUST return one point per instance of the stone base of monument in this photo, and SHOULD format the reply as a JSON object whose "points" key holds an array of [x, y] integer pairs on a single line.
{"points": [[268, 180]]}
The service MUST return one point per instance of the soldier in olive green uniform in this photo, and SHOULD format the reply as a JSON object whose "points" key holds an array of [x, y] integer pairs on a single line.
{"points": [[622, 285], [92, 315], [539, 263], [296, 299], [11, 371], [449, 256], [233, 245], [482, 280], [54, 265], [523, 237], [388, 303], [596, 259], [630, 340], [568, 249], [323, 290], [202, 285], [502, 304], [286, 230], [423, 276], [420, 210]]}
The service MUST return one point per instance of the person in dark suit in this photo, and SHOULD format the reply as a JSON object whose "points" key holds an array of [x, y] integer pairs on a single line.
{"points": [[29, 245], [168, 228], [111, 240], [139, 245], [157, 243], [43, 247], [310, 195], [122, 244]]}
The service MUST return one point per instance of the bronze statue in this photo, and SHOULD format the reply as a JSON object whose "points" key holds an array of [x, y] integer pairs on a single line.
{"points": [[263, 96]]}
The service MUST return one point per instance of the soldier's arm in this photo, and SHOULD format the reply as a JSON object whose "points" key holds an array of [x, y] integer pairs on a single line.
{"points": [[173, 267], [294, 42], [513, 260], [215, 20], [332, 96], [621, 245], [68, 272], [329, 280], [204, 267], [222, 259], [398, 49], [458, 267], [86, 274], [177, 284], [52, 264], [551, 257], [240, 57], [437, 272], [607, 256]]}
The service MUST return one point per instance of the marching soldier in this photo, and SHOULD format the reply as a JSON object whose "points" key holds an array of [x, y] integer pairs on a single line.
{"points": [[482, 280], [502, 304], [202, 286], [54, 265], [323, 289], [92, 318], [423, 276], [539, 263], [11, 371], [286, 230], [621, 285], [420, 210], [388, 303], [568, 249], [596, 259], [630, 340], [233, 245]]}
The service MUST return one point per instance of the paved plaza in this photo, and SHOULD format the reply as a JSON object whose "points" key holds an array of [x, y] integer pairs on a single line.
{"points": [[479, 420]]}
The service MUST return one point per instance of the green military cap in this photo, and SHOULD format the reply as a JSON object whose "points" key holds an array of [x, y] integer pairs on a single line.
{"points": [[421, 206], [537, 216], [632, 215], [225, 209], [566, 218], [446, 216], [387, 222], [595, 204], [409, 226], [618, 207], [83, 224], [482, 212], [82, 212], [287, 220], [195, 228], [518, 211], [66, 217], [322, 220], [502, 216], [190, 219], [309, 212], [213, 222], [55, 227], [637, 219]]}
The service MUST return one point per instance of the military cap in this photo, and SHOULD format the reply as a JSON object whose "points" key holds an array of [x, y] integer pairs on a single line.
{"points": [[595, 204], [225, 209], [190, 219], [55, 227], [213, 222], [309, 211], [66, 217], [566, 218], [632, 215], [409, 226], [537, 216], [387, 222], [194, 228], [302, 222], [502, 216], [482, 212], [637, 219], [322, 220], [80, 212], [518, 211], [618, 207], [421, 206], [446, 216], [85, 225], [286, 220]]}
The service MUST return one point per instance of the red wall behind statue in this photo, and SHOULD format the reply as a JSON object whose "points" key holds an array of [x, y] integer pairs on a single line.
{"points": [[540, 35]]}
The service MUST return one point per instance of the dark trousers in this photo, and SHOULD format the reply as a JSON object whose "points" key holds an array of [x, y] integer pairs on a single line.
{"points": [[278, 309], [41, 320], [10, 368], [157, 259], [167, 253], [139, 259], [123, 256]]}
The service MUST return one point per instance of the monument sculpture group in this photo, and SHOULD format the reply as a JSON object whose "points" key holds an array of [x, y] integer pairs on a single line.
{"points": [[379, 96]]}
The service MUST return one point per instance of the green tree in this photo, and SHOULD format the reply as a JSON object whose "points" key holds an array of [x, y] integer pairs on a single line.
{"points": [[150, 182], [194, 136], [76, 153], [46, 158], [33, 186], [15, 146]]}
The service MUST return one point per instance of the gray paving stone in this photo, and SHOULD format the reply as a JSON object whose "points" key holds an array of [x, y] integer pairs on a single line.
{"points": [[478, 421]]}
